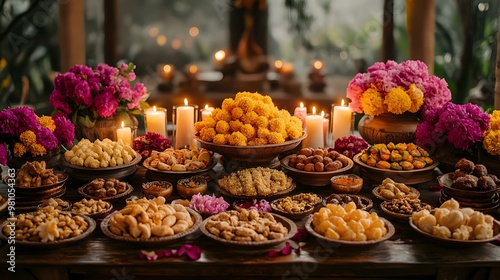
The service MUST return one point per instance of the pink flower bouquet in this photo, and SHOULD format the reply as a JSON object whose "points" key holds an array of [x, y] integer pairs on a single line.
{"points": [[84, 94], [397, 88]]}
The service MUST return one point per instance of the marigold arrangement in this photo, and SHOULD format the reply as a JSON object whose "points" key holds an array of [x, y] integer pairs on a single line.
{"points": [[84, 94], [30, 134], [491, 137], [397, 88], [461, 125], [250, 119]]}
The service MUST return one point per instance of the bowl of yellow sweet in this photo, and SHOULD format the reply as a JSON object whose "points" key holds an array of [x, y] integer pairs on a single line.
{"points": [[249, 129]]}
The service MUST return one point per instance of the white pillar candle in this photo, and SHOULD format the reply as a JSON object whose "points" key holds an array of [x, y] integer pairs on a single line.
{"points": [[314, 130], [326, 124], [206, 112], [124, 134], [341, 121], [301, 113], [156, 121], [184, 125]]}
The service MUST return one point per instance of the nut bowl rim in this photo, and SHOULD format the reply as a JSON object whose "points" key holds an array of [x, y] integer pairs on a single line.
{"points": [[368, 207], [310, 208], [397, 216], [376, 193]]}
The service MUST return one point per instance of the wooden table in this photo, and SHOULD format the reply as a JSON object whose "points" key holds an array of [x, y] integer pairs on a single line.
{"points": [[406, 255]]}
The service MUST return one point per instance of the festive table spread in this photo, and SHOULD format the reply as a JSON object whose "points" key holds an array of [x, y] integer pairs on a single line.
{"points": [[406, 254]]}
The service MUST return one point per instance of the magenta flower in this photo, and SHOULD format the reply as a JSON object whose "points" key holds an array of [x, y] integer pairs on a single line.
{"points": [[192, 252], [9, 125], [100, 92], [65, 130], [460, 125], [3, 154], [45, 137]]}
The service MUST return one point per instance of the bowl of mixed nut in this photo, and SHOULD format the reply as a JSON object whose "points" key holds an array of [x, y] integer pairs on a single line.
{"points": [[401, 209], [92, 208], [297, 206]]}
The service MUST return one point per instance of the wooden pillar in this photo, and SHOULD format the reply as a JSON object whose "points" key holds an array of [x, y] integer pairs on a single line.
{"points": [[388, 31], [497, 73], [420, 23], [71, 33], [110, 32]]}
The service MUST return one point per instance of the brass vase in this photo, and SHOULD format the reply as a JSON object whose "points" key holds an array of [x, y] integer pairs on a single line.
{"points": [[388, 127]]}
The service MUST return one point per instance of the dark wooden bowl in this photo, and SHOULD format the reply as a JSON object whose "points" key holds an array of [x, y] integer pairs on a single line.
{"points": [[174, 176], [262, 154], [446, 181], [409, 177], [364, 200], [390, 232], [458, 243], [62, 178], [154, 240], [394, 215], [376, 193], [290, 225], [317, 179], [83, 191]]}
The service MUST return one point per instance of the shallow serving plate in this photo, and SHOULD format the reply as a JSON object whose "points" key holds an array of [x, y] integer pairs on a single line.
{"points": [[389, 226], [270, 196], [197, 220], [458, 243], [446, 180], [83, 192], [410, 177], [51, 244], [62, 177], [376, 193], [255, 154], [97, 215], [174, 176], [309, 178], [290, 225], [119, 172]]}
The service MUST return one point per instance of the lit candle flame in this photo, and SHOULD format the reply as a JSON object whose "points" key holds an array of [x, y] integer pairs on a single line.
{"points": [[167, 68], [220, 55], [301, 105], [206, 106], [343, 103], [185, 101], [154, 108], [278, 64], [123, 124], [317, 65], [323, 113], [314, 110], [193, 69]]}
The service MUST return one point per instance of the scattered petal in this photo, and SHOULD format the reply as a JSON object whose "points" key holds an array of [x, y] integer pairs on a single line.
{"points": [[193, 252], [301, 235], [149, 255], [287, 250]]}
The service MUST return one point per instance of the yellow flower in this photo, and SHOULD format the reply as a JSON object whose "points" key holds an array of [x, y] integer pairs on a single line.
{"points": [[47, 122], [495, 120], [372, 102], [491, 142], [416, 96], [19, 149], [37, 150], [28, 137], [397, 101]]}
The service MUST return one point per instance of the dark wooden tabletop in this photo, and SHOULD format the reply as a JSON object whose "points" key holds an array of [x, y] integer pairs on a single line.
{"points": [[405, 255]]}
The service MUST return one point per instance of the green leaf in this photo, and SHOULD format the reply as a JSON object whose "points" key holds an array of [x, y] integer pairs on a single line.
{"points": [[144, 105], [86, 121]]}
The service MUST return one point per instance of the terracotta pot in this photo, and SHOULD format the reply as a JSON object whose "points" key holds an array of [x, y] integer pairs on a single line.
{"points": [[106, 128], [388, 127]]}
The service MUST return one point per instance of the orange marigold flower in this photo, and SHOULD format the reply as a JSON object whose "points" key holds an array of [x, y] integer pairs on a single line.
{"points": [[220, 139], [222, 127], [228, 104], [248, 130], [275, 138], [372, 102], [417, 98], [207, 134], [397, 101], [37, 150], [47, 122], [28, 138], [235, 125], [19, 149]]}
